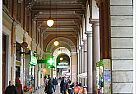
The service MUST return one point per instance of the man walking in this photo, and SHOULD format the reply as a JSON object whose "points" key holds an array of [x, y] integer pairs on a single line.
{"points": [[11, 89], [55, 82]]}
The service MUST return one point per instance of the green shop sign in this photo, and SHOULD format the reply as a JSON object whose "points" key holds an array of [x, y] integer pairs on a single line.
{"points": [[33, 60], [41, 61]]}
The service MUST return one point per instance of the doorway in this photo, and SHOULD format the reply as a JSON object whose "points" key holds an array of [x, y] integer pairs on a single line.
{"points": [[4, 57]]}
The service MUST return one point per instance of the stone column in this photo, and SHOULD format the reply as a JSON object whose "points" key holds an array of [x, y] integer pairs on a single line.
{"points": [[74, 66], [89, 62], [13, 52], [85, 60], [96, 49], [78, 66], [96, 40], [82, 63]]}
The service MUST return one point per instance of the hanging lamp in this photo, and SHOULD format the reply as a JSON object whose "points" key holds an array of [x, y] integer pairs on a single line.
{"points": [[56, 43], [50, 21]]}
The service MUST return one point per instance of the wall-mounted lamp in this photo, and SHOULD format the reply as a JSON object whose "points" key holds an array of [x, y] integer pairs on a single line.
{"points": [[24, 45]]}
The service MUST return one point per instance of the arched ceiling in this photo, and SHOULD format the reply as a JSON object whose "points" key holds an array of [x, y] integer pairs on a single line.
{"points": [[67, 16]]}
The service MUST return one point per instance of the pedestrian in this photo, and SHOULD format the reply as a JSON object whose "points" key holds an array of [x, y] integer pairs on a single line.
{"points": [[55, 82], [11, 89], [19, 86], [50, 87], [63, 86], [46, 87], [69, 87]]}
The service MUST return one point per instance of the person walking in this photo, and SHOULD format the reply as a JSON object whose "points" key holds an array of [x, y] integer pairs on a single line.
{"points": [[18, 85], [50, 87], [11, 89], [55, 82], [63, 86]]}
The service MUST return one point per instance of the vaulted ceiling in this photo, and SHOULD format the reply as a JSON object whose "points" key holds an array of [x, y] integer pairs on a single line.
{"points": [[67, 16]]}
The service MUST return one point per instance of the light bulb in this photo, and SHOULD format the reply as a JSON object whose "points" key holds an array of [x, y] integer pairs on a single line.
{"points": [[50, 22], [56, 43], [61, 58]]}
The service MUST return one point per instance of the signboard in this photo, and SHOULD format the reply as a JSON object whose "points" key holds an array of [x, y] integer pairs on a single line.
{"points": [[107, 75], [62, 65], [58, 66], [33, 60], [41, 61]]}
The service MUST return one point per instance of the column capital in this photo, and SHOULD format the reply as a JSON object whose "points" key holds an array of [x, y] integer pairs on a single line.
{"points": [[88, 32], [93, 21], [73, 53]]}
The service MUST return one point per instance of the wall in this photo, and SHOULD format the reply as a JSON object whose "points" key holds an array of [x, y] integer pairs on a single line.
{"points": [[121, 14]]}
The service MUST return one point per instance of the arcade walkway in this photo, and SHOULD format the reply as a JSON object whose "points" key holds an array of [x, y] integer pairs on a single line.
{"points": [[87, 41]]}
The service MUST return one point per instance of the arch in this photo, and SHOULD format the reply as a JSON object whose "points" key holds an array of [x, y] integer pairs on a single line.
{"points": [[64, 42], [63, 50], [56, 53]]}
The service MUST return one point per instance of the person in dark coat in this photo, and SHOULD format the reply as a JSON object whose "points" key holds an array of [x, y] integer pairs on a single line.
{"points": [[11, 89], [63, 86], [50, 87], [55, 82]]}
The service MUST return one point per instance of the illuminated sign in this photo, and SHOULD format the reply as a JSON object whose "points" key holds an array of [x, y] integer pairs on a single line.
{"points": [[33, 60]]}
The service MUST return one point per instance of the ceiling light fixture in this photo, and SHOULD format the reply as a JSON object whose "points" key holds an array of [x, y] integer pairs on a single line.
{"points": [[56, 43], [50, 21], [61, 58]]}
